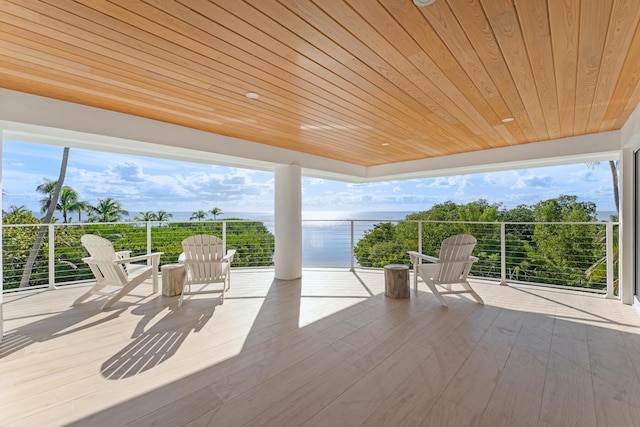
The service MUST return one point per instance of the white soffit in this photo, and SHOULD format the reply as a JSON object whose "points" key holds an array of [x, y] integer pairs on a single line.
{"points": [[37, 119]]}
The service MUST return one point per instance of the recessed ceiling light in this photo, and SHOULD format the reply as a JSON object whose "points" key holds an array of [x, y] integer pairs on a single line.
{"points": [[421, 3], [507, 119], [385, 144], [252, 95]]}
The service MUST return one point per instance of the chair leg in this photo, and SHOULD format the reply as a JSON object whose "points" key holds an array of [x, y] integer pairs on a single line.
{"points": [[225, 286], [184, 288], [473, 293], [435, 291]]}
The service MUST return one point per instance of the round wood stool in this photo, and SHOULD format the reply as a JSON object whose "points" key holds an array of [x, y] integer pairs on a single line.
{"points": [[173, 277], [396, 280]]}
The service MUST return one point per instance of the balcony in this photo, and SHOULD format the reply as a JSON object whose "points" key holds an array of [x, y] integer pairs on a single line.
{"points": [[549, 254], [327, 349]]}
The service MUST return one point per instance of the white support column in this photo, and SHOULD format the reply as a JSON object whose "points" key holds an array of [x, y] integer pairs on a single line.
{"points": [[627, 227], [288, 222], [503, 254], [1, 261]]}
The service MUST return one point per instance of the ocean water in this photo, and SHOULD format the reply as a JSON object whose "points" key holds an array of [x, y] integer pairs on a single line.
{"points": [[326, 235]]}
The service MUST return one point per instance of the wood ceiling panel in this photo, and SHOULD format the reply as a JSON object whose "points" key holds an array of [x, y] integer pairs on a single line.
{"points": [[331, 96], [564, 19], [594, 19], [537, 36], [386, 78], [496, 83], [626, 94], [504, 22], [622, 27], [338, 78], [189, 72], [433, 78]]}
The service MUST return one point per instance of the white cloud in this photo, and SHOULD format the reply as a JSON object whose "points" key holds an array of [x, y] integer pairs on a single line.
{"points": [[127, 171], [450, 181], [142, 184], [533, 181]]}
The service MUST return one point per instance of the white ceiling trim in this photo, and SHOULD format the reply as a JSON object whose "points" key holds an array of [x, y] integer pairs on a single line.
{"points": [[37, 119]]}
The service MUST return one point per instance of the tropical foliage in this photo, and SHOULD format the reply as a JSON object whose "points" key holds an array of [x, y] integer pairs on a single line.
{"points": [[198, 215], [215, 212], [22, 250], [543, 251], [253, 242], [107, 210], [538, 247]]}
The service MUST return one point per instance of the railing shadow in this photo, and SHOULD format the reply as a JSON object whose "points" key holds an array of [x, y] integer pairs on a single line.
{"points": [[364, 285], [56, 326]]}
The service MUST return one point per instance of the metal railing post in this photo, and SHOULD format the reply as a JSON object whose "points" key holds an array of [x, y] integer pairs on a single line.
{"points": [[52, 259], [352, 267], [420, 238], [224, 236], [610, 275], [503, 253], [148, 240]]}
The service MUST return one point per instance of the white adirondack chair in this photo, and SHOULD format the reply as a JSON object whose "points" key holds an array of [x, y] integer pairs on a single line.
{"points": [[450, 268], [206, 264], [115, 273]]}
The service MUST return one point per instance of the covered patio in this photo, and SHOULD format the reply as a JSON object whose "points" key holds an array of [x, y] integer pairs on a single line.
{"points": [[326, 349], [355, 90]]}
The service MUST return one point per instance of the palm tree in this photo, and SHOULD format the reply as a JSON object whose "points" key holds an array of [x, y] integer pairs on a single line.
{"points": [[215, 212], [109, 210], [613, 166], [199, 215], [164, 216], [68, 202], [82, 207], [52, 203], [17, 213], [146, 217], [47, 188], [17, 210]]}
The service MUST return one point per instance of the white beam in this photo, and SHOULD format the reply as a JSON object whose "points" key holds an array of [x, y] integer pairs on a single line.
{"points": [[32, 118]]}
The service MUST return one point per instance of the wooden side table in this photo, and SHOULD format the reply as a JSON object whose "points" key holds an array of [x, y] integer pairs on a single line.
{"points": [[396, 281], [173, 278]]}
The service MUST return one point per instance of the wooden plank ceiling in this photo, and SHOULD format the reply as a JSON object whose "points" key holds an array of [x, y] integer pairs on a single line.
{"points": [[367, 82]]}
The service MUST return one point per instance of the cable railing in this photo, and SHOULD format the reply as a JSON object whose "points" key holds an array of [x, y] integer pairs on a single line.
{"points": [[577, 255]]}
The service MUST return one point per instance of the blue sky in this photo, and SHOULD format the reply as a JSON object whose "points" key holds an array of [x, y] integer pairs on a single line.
{"points": [[141, 184]]}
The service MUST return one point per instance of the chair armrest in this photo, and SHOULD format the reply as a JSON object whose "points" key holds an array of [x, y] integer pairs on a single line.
{"points": [[415, 256], [89, 260], [152, 256], [474, 258], [229, 256], [123, 254]]}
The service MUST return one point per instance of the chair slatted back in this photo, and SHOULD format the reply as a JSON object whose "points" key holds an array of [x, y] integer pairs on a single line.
{"points": [[454, 258], [203, 258], [102, 253]]}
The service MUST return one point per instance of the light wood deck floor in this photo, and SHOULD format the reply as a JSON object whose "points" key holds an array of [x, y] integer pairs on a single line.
{"points": [[327, 350]]}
